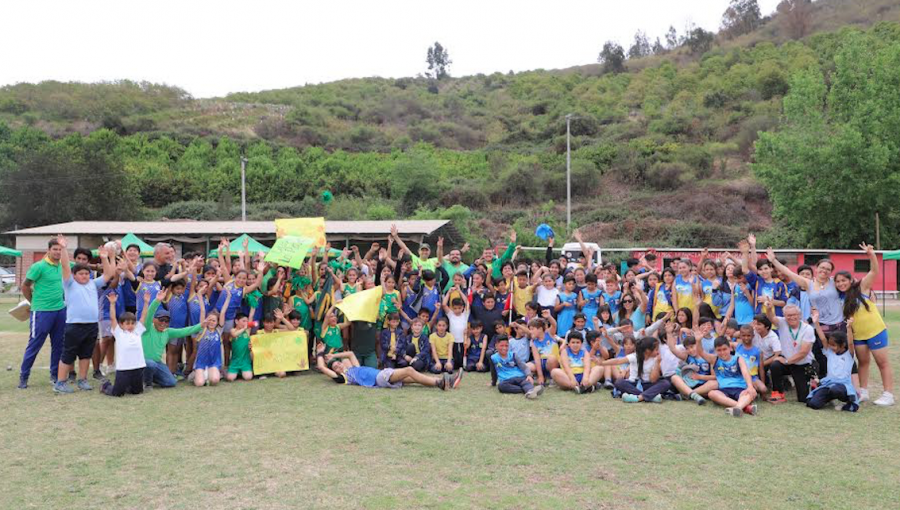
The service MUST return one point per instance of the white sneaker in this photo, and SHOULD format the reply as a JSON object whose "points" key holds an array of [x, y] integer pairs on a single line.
{"points": [[886, 399], [838, 405], [863, 395]]}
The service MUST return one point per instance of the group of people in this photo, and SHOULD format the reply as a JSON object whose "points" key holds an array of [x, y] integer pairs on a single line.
{"points": [[736, 329]]}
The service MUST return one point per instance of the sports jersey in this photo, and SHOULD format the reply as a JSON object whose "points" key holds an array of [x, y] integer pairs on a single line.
{"points": [[361, 376], [507, 367], [441, 344], [576, 360], [867, 323], [728, 373], [751, 357], [684, 293], [546, 347]]}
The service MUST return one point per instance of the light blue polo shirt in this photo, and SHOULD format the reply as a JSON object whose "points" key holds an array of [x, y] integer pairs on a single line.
{"points": [[82, 306]]}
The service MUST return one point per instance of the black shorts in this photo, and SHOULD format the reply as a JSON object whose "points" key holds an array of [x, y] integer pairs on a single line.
{"points": [[732, 393], [79, 342]]}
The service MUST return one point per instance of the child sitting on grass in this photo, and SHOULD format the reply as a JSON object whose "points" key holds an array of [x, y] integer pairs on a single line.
{"points": [[513, 374], [241, 353], [735, 391], [644, 370], [441, 350], [476, 348], [393, 344], [576, 372]]}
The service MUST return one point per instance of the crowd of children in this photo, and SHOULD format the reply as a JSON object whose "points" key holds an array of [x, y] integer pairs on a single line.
{"points": [[736, 329]]}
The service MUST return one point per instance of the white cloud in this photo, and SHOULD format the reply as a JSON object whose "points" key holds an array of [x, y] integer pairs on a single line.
{"points": [[212, 48]]}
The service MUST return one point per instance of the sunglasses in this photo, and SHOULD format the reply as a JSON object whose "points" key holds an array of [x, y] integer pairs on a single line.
{"points": [[628, 301]]}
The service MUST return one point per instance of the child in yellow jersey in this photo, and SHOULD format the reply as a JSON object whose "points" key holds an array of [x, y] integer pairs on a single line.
{"points": [[576, 372], [441, 341], [393, 344]]}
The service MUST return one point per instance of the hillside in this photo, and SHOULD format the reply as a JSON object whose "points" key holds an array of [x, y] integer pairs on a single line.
{"points": [[660, 152]]}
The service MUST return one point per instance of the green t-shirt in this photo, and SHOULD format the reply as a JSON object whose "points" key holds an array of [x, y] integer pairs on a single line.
{"points": [[154, 342], [240, 354], [421, 264], [452, 270], [47, 295]]}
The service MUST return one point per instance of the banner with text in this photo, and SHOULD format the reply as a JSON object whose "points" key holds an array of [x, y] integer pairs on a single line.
{"points": [[279, 352], [289, 251], [310, 228]]}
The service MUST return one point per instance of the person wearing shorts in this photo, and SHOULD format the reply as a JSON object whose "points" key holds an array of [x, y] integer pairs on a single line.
{"points": [[344, 368], [82, 318]]}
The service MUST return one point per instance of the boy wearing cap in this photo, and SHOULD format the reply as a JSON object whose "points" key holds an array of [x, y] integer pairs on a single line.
{"points": [[422, 261], [156, 336]]}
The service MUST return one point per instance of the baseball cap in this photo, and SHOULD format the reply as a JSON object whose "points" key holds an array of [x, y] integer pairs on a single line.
{"points": [[425, 246], [161, 314]]}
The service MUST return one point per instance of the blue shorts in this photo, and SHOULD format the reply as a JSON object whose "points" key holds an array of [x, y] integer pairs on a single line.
{"points": [[732, 393], [879, 341], [544, 368], [578, 377]]}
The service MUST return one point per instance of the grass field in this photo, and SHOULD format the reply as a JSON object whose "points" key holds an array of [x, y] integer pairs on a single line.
{"points": [[305, 442]]}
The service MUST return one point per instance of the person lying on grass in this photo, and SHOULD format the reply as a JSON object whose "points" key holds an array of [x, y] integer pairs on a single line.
{"points": [[344, 368]]}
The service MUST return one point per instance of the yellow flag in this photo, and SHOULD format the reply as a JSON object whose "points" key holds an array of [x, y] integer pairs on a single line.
{"points": [[279, 352], [310, 228], [362, 306]]}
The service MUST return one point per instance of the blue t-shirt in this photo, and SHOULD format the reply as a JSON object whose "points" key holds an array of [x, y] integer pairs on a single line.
{"points": [[728, 373], [82, 305], [361, 376], [775, 289], [612, 300], [194, 309], [178, 311], [743, 308], [237, 298], [700, 362], [520, 347], [684, 293], [751, 357], [507, 368], [104, 302], [151, 288], [591, 300]]}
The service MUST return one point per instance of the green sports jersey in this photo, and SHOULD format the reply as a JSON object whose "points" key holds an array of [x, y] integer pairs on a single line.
{"points": [[331, 336], [47, 295], [240, 354]]}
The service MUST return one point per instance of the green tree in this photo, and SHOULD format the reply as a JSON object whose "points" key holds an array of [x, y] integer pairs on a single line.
{"points": [[612, 56], [836, 160], [740, 17], [641, 46], [438, 60]]}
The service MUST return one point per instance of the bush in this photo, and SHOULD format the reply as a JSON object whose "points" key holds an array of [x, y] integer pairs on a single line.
{"points": [[668, 176], [381, 211]]}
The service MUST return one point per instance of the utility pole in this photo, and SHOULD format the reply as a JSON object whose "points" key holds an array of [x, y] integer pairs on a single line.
{"points": [[243, 188], [568, 175]]}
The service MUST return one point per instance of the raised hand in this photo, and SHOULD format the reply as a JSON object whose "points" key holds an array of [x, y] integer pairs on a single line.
{"points": [[112, 297], [814, 315], [440, 241], [63, 242], [770, 253], [751, 239], [161, 295]]}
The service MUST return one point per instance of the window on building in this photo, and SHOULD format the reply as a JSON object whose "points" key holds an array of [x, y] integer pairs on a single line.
{"points": [[812, 259], [861, 266]]}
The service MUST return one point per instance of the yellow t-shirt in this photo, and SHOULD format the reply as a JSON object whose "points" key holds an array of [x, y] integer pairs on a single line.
{"points": [[867, 323], [441, 344], [521, 297]]}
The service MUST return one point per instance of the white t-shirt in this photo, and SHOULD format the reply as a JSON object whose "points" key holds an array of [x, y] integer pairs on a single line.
{"points": [[129, 351], [670, 361], [458, 325], [545, 296], [767, 345], [792, 339], [649, 365]]}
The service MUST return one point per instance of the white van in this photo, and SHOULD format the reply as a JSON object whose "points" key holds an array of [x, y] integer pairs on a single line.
{"points": [[573, 250]]}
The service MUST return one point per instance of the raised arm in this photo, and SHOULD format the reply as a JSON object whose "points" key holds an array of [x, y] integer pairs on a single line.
{"points": [[395, 235], [801, 282], [64, 257], [754, 257], [588, 253], [112, 297], [866, 284]]}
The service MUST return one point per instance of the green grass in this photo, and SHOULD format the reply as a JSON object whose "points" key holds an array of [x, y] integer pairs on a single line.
{"points": [[305, 442]]}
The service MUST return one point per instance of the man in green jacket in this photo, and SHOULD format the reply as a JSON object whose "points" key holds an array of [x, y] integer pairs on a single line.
{"points": [[157, 335]]}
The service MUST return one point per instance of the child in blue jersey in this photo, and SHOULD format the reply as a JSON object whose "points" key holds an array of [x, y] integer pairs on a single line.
{"points": [[393, 343], [344, 368], [476, 348], [566, 303], [753, 358], [198, 293], [735, 388], [838, 383], [178, 318], [742, 298], [576, 373], [765, 285], [208, 344], [512, 372], [589, 299], [147, 285], [612, 295], [418, 350], [684, 284], [544, 348], [693, 378]]}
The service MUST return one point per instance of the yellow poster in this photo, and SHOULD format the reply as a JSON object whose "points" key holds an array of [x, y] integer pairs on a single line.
{"points": [[279, 352], [310, 228], [361, 306]]}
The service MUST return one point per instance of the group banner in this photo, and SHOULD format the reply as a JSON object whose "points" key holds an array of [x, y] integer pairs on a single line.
{"points": [[279, 352], [309, 228], [361, 306], [289, 251]]}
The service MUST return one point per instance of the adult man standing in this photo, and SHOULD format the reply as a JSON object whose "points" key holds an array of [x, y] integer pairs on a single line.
{"points": [[453, 264], [44, 290]]}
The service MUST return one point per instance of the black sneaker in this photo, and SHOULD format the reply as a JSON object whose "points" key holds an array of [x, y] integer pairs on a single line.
{"points": [[98, 375], [444, 382], [23, 383], [106, 387]]}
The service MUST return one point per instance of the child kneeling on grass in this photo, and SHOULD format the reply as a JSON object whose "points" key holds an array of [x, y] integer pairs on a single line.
{"points": [[513, 374], [208, 365], [129, 353], [838, 383], [735, 391], [241, 353]]}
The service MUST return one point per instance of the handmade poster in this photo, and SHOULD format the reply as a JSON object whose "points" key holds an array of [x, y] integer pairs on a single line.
{"points": [[289, 251], [279, 352], [361, 306], [310, 228]]}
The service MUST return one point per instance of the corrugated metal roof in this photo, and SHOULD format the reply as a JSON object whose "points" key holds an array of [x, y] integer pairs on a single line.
{"points": [[424, 227]]}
